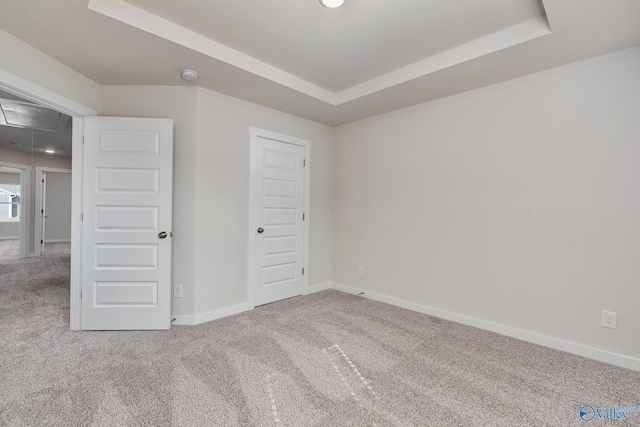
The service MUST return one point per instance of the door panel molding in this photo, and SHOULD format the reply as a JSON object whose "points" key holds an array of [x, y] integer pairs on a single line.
{"points": [[256, 138]]}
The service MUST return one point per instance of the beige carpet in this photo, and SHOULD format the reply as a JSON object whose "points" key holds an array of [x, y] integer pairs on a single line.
{"points": [[328, 359]]}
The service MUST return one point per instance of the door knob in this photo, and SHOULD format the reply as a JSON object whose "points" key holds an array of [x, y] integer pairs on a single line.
{"points": [[260, 230], [162, 235]]}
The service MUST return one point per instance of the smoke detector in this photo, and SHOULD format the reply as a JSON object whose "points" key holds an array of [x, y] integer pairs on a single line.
{"points": [[189, 75]]}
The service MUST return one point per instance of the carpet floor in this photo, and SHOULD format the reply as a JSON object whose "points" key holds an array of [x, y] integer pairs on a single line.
{"points": [[327, 359]]}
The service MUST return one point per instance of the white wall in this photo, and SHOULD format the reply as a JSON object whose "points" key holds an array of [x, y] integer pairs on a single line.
{"points": [[9, 230], [57, 207], [10, 177], [222, 202], [18, 157], [22, 60], [516, 203]]}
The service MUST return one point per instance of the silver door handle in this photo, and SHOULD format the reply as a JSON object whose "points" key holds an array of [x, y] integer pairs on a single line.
{"points": [[162, 235], [260, 230]]}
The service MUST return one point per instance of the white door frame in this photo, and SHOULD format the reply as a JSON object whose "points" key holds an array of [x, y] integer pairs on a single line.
{"points": [[40, 204], [18, 86], [25, 205], [253, 273]]}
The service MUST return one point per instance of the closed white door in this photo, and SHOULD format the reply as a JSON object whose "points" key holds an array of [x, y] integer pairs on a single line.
{"points": [[126, 229], [278, 237]]}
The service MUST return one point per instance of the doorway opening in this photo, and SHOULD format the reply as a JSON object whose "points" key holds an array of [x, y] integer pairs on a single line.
{"points": [[53, 207], [53, 116], [31, 136]]}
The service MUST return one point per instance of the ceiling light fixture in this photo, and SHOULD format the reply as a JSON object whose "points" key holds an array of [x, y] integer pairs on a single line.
{"points": [[189, 75], [50, 151], [332, 4]]}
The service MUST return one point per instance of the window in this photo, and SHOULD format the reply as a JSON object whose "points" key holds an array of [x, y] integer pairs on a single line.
{"points": [[9, 202]]}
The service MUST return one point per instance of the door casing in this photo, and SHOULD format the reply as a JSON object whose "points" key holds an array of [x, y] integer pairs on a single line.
{"points": [[254, 271]]}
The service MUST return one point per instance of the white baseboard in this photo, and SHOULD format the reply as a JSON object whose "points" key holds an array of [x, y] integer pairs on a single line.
{"points": [[533, 337], [317, 288], [57, 241], [10, 238], [346, 289], [228, 311], [179, 320], [211, 315]]}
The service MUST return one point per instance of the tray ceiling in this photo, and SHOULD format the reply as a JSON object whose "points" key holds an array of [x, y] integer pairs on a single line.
{"points": [[328, 65]]}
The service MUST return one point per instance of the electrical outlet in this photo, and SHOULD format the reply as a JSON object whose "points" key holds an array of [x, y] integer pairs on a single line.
{"points": [[177, 291], [361, 271], [610, 319]]}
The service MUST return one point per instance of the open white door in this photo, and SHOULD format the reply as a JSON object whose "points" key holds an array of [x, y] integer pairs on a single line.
{"points": [[126, 229]]}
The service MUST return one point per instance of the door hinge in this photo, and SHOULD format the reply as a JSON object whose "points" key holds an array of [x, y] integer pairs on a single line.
{"points": [[303, 271], [83, 140], [303, 217], [43, 180], [41, 241], [81, 217], [304, 162], [42, 211]]}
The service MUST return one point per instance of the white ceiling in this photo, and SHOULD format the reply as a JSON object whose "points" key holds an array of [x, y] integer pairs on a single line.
{"points": [[339, 48], [328, 65]]}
